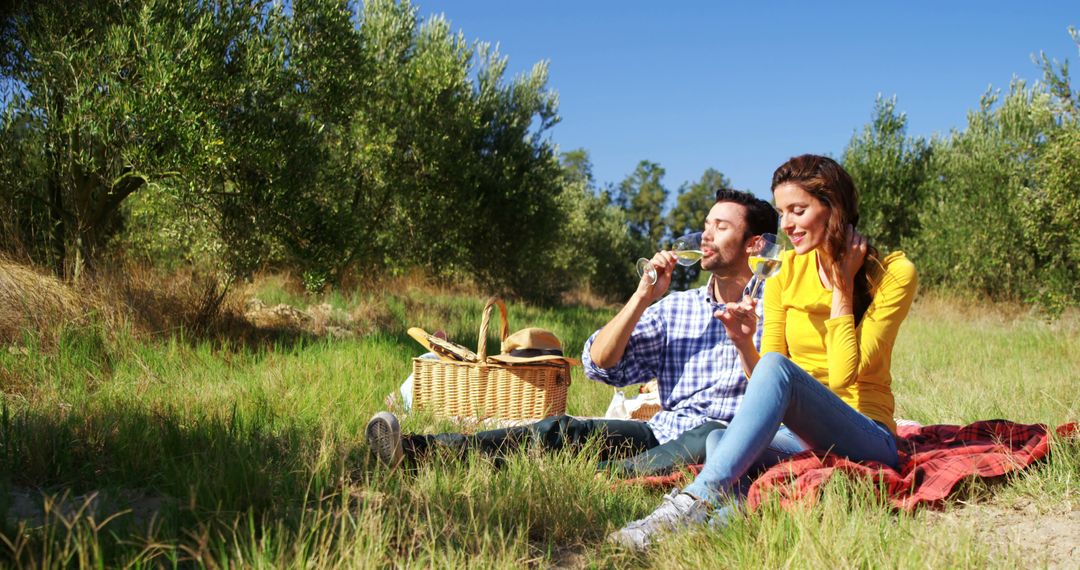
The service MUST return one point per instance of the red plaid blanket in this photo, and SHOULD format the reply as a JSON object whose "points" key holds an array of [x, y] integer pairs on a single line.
{"points": [[933, 459]]}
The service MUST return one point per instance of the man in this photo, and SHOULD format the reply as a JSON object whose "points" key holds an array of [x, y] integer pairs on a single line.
{"points": [[679, 341]]}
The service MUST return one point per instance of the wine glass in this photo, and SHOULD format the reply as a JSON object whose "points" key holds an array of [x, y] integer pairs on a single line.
{"points": [[687, 249], [765, 261]]}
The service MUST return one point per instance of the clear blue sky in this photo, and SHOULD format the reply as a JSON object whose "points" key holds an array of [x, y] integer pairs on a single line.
{"points": [[740, 87]]}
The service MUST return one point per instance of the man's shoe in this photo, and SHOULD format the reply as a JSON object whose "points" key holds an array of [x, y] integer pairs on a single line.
{"points": [[677, 510], [384, 438]]}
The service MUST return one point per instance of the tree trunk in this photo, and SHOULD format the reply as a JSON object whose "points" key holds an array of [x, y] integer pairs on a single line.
{"points": [[58, 231]]}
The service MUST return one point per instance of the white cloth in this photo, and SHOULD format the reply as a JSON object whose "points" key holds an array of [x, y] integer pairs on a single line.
{"points": [[623, 408]]}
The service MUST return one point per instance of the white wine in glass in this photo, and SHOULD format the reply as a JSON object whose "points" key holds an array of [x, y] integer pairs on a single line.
{"points": [[765, 261], [689, 257], [687, 249], [764, 267]]}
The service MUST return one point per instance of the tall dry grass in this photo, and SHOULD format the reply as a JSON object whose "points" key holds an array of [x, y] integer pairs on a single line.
{"points": [[253, 455], [135, 300], [33, 302]]}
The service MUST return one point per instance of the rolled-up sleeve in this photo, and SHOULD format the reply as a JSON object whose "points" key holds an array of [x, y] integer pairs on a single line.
{"points": [[640, 361]]}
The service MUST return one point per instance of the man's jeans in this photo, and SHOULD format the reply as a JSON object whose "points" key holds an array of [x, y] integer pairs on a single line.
{"points": [[779, 391], [626, 446]]}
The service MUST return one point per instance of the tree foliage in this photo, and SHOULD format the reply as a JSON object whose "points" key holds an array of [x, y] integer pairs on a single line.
{"points": [[972, 238], [989, 210], [317, 136], [890, 171], [1051, 215], [96, 110], [333, 138], [1056, 77], [597, 252], [642, 194]]}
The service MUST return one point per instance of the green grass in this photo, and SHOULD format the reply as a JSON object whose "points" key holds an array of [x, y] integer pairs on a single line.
{"points": [[253, 456]]}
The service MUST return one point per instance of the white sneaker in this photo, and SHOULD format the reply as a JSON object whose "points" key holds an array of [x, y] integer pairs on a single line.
{"points": [[384, 438], [677, 510]]}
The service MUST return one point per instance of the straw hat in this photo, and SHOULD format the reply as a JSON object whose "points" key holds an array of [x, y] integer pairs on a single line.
{"points": [[532, 345]]}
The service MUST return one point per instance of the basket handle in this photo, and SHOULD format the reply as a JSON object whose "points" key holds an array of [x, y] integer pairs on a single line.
{"points": [[481, 343]]}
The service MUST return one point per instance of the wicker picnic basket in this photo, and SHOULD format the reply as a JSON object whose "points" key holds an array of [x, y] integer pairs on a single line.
{"points": [[645, 412], [487, 389]]}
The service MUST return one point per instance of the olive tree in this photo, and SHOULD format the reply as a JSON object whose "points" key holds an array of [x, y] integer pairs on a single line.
{"points": [[890, 170]]}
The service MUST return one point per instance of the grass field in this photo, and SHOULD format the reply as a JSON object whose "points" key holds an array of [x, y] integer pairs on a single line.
{"points": [[122, 450]]}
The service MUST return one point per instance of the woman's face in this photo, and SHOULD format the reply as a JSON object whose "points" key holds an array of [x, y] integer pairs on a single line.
{"points": [[802, 217]]}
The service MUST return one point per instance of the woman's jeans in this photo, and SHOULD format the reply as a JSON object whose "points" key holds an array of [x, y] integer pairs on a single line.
{"points": [[780, 391]]}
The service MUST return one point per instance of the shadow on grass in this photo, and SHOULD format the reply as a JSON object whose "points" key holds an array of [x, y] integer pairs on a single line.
{"points": [[239, 463], [113, 480], [222, 484]]}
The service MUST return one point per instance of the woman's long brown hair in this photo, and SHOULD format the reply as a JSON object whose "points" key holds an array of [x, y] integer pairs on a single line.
{"points": [[826, 180]]}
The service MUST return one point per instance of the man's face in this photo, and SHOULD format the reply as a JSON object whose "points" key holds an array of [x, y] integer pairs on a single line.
{"points": [[723, 240]]}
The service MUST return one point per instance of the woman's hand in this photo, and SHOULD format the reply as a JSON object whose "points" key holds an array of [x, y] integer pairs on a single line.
{"points": [[740, 320], [853, 257], [850, 262]]}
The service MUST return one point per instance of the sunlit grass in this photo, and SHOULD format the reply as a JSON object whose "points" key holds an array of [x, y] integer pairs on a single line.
{"points": [[957, 365], [253, 455]]}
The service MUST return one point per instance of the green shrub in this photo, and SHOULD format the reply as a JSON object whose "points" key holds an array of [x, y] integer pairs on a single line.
{"points": [[971, 236], [890, 170], [1050, 215]]}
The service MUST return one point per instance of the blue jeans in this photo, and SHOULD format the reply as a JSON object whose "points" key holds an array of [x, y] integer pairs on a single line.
{"points": [[779, 390]]}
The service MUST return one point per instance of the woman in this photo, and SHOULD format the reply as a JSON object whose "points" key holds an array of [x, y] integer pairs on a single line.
{"points": [[831, 318]]}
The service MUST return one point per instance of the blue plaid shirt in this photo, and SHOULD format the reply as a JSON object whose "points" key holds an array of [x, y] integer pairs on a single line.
{"points": [[679, 342]]}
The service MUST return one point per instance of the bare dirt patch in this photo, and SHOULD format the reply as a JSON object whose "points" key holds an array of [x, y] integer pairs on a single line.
{"points": [[32, 508], [569, 557], [318, 320], [1039, 536]]}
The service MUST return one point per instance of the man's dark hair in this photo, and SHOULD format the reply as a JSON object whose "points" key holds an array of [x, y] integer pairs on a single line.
{"points": [[761, 217]]}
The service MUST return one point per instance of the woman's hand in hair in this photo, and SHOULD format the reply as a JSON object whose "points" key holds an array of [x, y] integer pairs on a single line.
{"points": [[854, 255], [850, 262]]}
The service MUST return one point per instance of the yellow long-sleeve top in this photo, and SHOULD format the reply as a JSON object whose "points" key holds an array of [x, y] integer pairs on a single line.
{"points": [[853, 361]]}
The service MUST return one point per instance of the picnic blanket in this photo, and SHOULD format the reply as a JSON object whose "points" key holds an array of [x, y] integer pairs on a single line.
{"points": [[933, 459]]}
